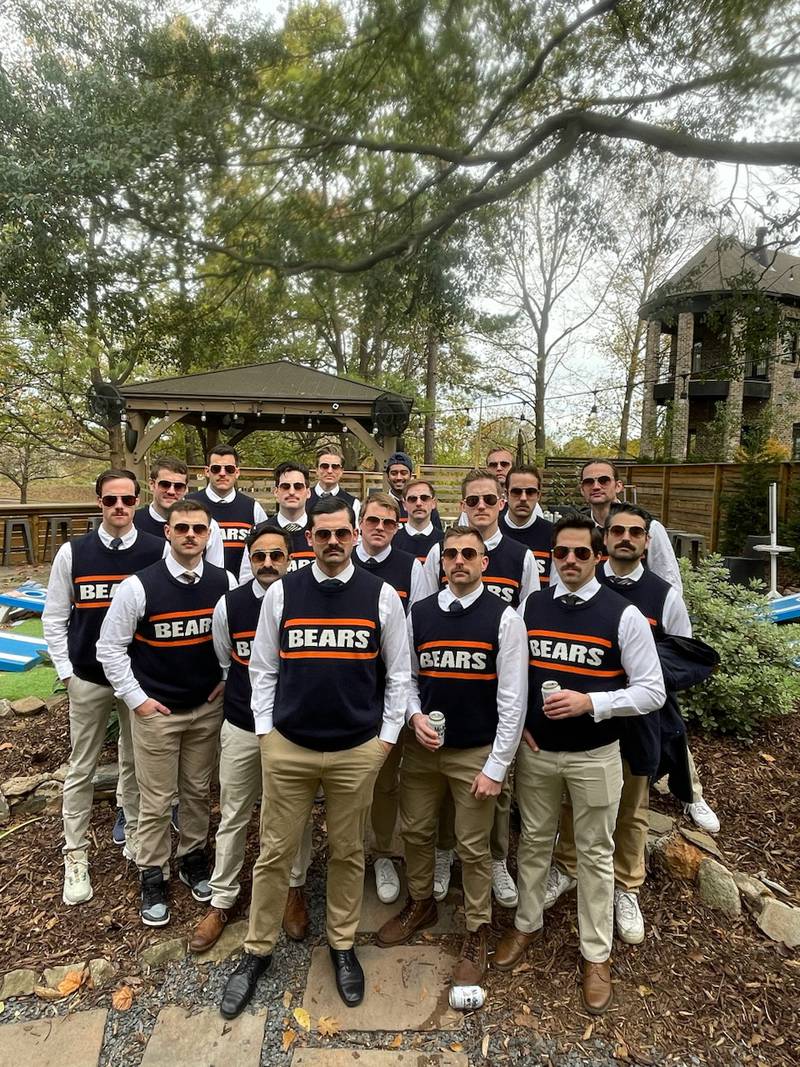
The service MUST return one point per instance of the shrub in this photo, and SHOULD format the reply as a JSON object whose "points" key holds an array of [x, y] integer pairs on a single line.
{"points": [[756, 678]]}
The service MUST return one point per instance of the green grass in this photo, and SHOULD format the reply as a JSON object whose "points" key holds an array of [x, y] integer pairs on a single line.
{"points": [[37, 682]]}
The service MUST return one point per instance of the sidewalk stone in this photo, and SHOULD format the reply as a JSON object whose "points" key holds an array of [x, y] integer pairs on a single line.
{"points": [[374, 914], [204, 1039], [406, 988], [346, 1057], [660, 824], [73, 1039], [164, 952], [704, 841], [53, 975], [18, 983], [231, 940]]}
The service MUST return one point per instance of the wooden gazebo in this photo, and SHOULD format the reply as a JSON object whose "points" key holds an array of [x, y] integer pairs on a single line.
{"points": [[232, 403]]}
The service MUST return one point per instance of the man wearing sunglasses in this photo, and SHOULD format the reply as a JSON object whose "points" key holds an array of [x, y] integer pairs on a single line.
{"points": [[330, 464], [156, 647], [520, 520], [511, 575], [469, 661], [330, 671], [598, 647], [236, 512], [292, 495], [169, 480], [85, 576], [233, 628], [377, 554], [419, 534]]}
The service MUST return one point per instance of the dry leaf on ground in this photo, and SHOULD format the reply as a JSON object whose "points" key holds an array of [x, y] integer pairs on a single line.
{"points": [[328, 1026], [288, 1039], [72, 981], [287, 999], [485, 1046], [122, 998], [302, 1018], [46, 993], [456, 1046], [396, 1041]]}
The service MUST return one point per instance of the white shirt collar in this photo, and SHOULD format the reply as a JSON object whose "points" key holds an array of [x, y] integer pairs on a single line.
{"points": [[508, 520], [319, 490], [425, 532], [127, 540], [215, 498], [343, 576], [258, 590], [363, 555], [177, 569], [494, 540], [586, 592], [634, 575], [155, 514], [446, 596], [301, 521]]}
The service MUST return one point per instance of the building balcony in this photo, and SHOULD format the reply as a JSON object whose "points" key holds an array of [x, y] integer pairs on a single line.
{"points": [[754, 389]]}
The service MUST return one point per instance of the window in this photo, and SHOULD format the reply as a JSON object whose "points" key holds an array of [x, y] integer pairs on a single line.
{"points": [[697, 356], [790, 343]]}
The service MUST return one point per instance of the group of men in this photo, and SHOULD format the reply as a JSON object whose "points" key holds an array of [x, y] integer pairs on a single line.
{"points": [[306, 651]]}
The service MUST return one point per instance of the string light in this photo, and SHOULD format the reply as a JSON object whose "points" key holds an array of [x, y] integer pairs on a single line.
{"points": [[283, 418], [593, 410], [310, 424]]}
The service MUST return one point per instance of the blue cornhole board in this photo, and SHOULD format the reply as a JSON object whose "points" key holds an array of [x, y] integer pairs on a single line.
{"points": [[30, 596], [19, 652], [785, 608]]}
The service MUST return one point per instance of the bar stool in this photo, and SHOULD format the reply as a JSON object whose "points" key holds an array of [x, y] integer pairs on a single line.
{"points": [[23, 527], [56, 524]]}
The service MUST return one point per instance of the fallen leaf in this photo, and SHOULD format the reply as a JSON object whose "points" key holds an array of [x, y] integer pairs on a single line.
{"points": [[2, 1006], [485, 1046], [6, 745], [587, 1033], [456, 1047], [328, 1026], [289, 1037], [287, 999], [46, 993], [646, 991], [72, 981], [530, 1022], [302, 1018], [766, 757], [396, 1041], [122, 998], [51, 923]]}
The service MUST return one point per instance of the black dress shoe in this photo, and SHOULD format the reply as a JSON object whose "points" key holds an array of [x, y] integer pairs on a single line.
{"points": [[349, 975], [242, 984]]}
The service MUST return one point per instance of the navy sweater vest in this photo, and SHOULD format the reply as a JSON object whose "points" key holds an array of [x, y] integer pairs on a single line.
{"points": [[236, 520], [538, 537], [96, 573], [172, 653], [503, 576], [418, 545], [243, 608], [649, 594], [577, 646], [330, 686], [457, 654], [395, 569], [344, 497], [144, 521]]}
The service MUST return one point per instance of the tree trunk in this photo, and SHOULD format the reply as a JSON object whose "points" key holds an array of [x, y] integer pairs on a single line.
{"points": [[540, 388], [431, 376], [630, 383]]}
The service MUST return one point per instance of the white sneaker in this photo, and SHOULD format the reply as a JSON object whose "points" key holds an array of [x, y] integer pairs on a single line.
{"points": [[503, 887], [703, 816], [558, 884], [77, 887], [441, 873], [387, 881], [630, 924]]}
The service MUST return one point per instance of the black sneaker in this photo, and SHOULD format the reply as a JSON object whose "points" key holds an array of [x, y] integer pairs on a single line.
{"points": [[193, 871], [155, 908], [242, 984], [118, 832]]}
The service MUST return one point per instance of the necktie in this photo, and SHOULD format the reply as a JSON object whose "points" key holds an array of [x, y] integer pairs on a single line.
{"points": [[331, 583], [325, 494], [569, 599], [616, 580], [455, 606], [116, 544], [189, 577], [293, 527], [370, 562]]}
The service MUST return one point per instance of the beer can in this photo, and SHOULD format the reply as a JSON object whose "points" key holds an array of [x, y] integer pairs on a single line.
{"points": [[467, 997], [548, 688], [436, 719]]}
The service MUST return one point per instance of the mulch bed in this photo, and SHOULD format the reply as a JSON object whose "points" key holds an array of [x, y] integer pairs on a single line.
{"points": [[701, 989]]}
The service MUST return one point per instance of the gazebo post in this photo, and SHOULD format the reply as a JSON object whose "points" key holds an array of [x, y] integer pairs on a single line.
{"points": [[380, 452]]}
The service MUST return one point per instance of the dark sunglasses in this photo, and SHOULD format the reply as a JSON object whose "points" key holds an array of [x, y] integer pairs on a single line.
{"points": [[375, 521], [276, 555], [229, 468], [635, 531], [108, 501], [195, 527], [164, 485], [499, 463], [298, 487], [329, 466], [468, 554], [423, 498], [582, 552], [604, 480], [344, 533], [490, 499], [528, 490]]}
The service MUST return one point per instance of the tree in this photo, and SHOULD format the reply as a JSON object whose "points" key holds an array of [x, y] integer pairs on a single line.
{"points": [[23, 460]]}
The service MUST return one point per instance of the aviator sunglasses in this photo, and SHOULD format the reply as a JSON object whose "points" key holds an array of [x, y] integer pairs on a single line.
{"points": [[375, 521], [108, 501], [582, 552], [604, 480], [490, 499], [229, 468], [185, 527], [276, 555], [636, 532], [344, 533], [421, 498], [468, 554], [528, 490], [164, 485]]}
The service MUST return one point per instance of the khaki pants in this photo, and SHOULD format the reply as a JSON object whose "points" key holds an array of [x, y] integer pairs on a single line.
{"points": [[630, 834], [697, 786], [594, 782], [90, 707], [174, 754], [291, 777], [239, 789], [424, 780], [501, 826], [386, 800]]}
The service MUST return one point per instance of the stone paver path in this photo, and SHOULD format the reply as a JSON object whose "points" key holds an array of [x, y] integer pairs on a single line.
{"points": [[204, 1039], [374, 914], [345, 1057], [72, 1039]]}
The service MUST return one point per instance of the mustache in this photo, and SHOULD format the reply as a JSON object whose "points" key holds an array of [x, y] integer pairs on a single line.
{"points": [[267, 570]]}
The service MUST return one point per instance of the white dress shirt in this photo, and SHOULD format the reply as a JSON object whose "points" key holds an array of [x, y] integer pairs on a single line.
{"points": [[320, 492], [119, 626], [418, 590], [512, 681], [259, 515], [645, 691], [675, 619], [426, 531], [530, 572], [221, 632], [245, 570], [214, 553], [60, 597], [265, 659]]}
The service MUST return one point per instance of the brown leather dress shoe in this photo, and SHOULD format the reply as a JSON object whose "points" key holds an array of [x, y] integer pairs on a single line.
{"points": [[472, 963], [295, 916], [511, 948], [596, 988], [208, 930], [415, 915]]}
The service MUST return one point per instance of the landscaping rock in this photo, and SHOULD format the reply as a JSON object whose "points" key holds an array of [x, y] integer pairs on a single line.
{"points": [[60, 774], [678, 857], [30, 805], [5, 709], [754, 893], [54, 975], [101, 971], [231, 940], [780, 922], [28, 706], [660, 824], [105, 781], [5, 811], [18, 984], [23, 784], [718, 889], [164, 952], [49, 789], [704, 841]]}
